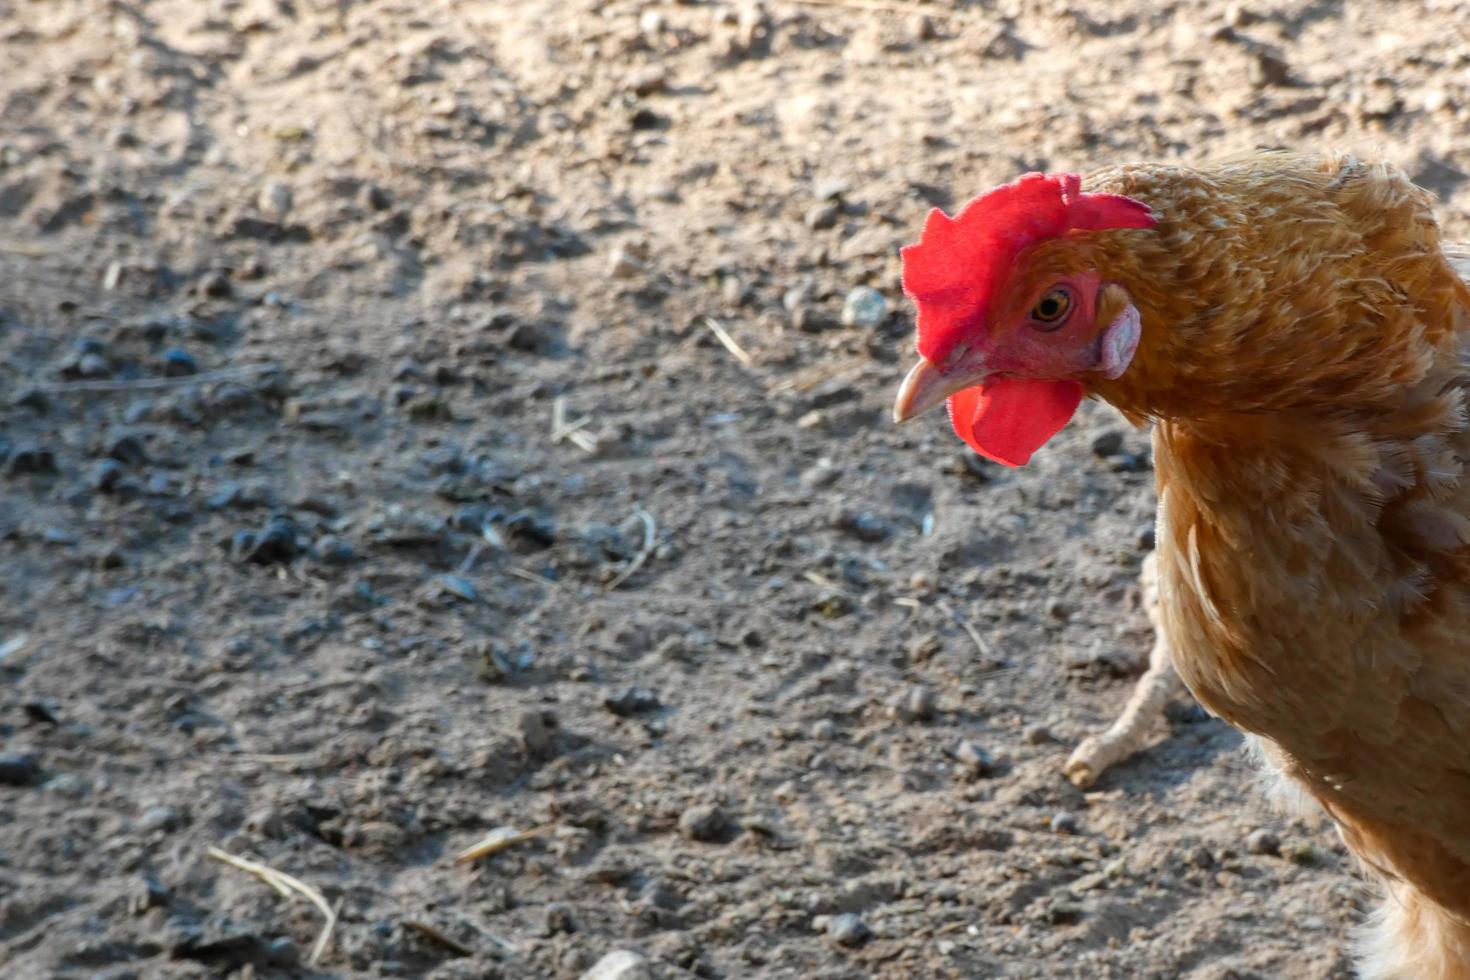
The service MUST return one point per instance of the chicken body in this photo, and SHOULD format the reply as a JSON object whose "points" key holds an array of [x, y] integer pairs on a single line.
{"points": [[1303, 356]]}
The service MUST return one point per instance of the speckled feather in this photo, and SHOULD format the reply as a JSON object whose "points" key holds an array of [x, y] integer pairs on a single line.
{"points": [[1303, 354]]}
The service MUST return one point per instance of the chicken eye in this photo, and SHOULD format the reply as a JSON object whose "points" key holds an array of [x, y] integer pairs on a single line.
{"points": [[1052, 309]]}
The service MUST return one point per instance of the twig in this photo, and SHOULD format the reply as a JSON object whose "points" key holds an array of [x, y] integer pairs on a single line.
{"points": [[499, 839], [979, 641], [723, 336], [429, 932], [530, 576], [285, 884], [31, 251], [650, 533], [570, 431], [150, 384]]}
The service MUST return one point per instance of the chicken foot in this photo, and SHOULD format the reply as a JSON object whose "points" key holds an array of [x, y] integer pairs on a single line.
{"points": [[1158, 685]]}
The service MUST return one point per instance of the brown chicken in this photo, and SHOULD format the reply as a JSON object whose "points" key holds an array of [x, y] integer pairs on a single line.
{"points": [[1296, 330]]}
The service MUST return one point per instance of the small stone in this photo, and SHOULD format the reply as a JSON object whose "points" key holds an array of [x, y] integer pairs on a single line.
{"points": [[273, 544], [1037, 735], [864, 307], [460, 587], [821, 216], [128, 449], [107, 475], [622, 265], [92, 365], [31, 459], [19, 768], [704, 822], [159, 818], [809, 319], [915, 704], [1109, 442], [375, 197], [824, 730], [150, 893], [274, 200], [283, 951], [975, 758], [1267, 69], [1146, 537], [179, 363], [33, 398], [1436, 99], [832, 189], [620, 964], [648, 80], [848, 930], [633, 701], [1064, 822], [862, 525], [558, 919], [332, 550], [733, 291], [921, 28], [1200, 857], [538, 731], [1057, 609], [215, 285], [1263, 842]]}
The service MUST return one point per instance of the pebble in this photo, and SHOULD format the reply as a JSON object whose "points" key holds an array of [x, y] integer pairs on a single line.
{"points": [[862, 525], [1037, 735], [848, 930], [107, 475], [648, 80], [33, 398], [915, 704], [1267, 69], [460, 586], [215, 285], [1064, 822], [283, 951], [537, 731], [864, 307], [150, 893], [808, 319], [159, 818], [375, 197], [821, 216], [128, 449], [704, 822], [93, 365], [1263, 842], [620, 964], [332, 550], [622, 265], [274, 200], [633, 701], [558, 919], [1109, 442], [823, 729], [975, 758], [1146, 537], [274, 543], [179, 363], [31, 459], [19, 769]]}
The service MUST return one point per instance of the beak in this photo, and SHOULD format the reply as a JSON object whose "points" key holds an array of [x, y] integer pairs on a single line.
{"points": [[927, 386]]}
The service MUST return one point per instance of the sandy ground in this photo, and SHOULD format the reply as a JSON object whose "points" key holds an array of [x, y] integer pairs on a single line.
{"points": [[298, 564]]}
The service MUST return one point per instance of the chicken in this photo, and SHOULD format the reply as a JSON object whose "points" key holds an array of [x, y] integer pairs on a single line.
{"points": [[1297, 332]]}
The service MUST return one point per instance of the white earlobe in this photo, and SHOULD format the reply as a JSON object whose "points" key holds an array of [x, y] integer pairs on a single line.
{"points": [[1119, 342]]}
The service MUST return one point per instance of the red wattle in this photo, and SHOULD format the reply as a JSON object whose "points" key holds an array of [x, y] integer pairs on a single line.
{"points": [[1009, 419]]}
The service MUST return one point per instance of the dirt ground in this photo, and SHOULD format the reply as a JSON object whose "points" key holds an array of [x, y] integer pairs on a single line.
{"points": [[372, 477]]}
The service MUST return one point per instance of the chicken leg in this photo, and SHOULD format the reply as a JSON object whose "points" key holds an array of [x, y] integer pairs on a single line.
{"points": [[1158, 685]]}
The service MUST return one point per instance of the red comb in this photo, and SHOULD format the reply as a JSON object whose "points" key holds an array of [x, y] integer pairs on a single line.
{"points": [[959, 263]]}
